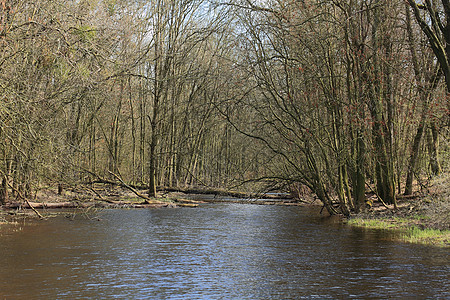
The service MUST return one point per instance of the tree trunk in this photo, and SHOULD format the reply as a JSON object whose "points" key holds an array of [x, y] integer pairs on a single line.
{"points": [[152, 170], [344, 201], [359, 188], [413, 158], [133, 134], [319, 190], [379, 92], [4, 191], [60, 189], [433, 148]]}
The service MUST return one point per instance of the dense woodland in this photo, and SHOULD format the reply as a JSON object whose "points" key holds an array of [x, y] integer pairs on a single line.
{"points": [[338, 98]]}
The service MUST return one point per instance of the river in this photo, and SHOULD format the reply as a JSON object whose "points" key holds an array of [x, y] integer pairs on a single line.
{"points": [[215, 251]]}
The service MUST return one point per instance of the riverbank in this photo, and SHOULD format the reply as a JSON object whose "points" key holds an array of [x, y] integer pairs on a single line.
{"points": [[422, 218], [107, 195]]}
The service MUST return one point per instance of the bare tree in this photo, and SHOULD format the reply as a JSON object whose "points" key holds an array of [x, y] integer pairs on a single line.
{"points": [[437, 32]]}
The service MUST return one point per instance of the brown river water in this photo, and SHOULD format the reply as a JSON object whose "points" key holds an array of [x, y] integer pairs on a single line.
{"points": [[215, 251]]}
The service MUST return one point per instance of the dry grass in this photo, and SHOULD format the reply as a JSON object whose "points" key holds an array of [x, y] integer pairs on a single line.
{"points": [[436, 205]]}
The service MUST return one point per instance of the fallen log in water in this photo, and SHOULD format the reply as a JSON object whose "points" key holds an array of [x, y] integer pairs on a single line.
{"points": [[189, 190], [112, 204], [14, 205], [224, 192]]}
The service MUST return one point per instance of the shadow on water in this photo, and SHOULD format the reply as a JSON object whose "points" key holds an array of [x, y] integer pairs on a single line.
{"points": [[216, 251]]}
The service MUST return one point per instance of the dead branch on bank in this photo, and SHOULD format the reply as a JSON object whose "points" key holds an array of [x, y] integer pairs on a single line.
{"points": [[147, 199], [34, 209], [26, 200], [100, 196]]}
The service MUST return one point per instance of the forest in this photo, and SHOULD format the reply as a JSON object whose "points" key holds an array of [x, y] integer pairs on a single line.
{"points": [[337, 98]]}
